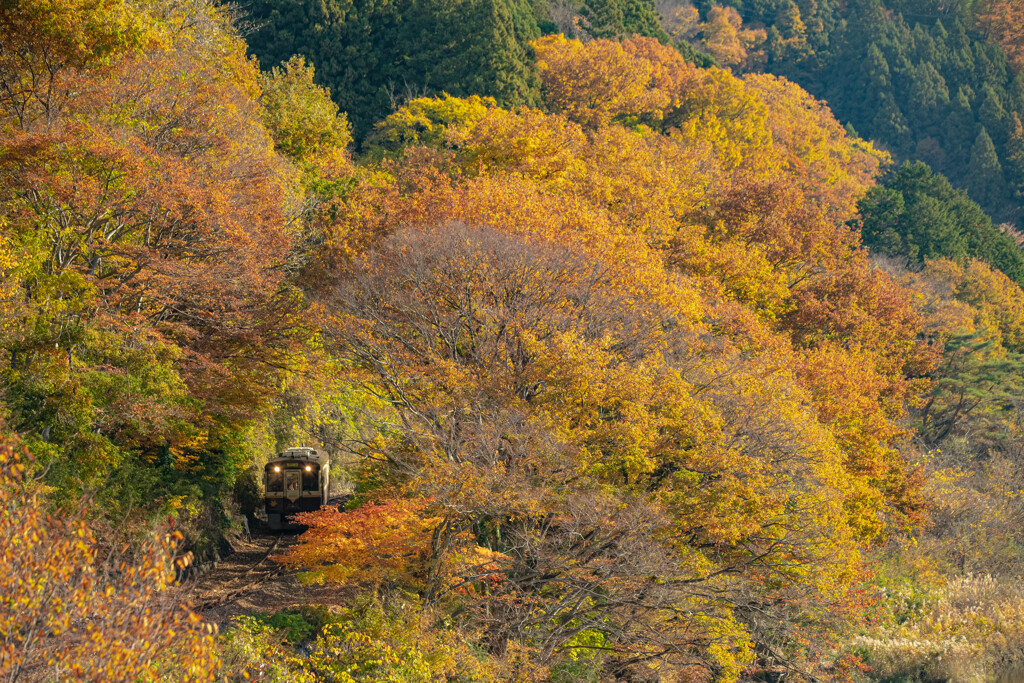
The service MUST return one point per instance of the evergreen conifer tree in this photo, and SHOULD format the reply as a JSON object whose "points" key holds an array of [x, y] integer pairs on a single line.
{"points": [[928, 90], [985, 180], [605, 18], [1014, 166], [375, 55], [992, 116], [614, 18], [919, 215]]}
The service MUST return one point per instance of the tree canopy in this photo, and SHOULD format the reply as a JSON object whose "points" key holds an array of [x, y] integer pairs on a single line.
{"points": [[919, 215], [922, 79], [633, 368]]}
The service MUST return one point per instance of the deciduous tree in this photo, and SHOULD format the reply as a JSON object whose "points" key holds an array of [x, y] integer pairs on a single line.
{"points": [[73, 608]]}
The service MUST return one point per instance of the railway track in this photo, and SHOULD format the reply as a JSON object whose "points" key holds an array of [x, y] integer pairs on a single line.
{"points": [[244, 571]]}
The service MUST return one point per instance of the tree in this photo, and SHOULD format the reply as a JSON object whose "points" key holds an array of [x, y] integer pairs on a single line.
{"points": [[618, 18], [919, 215], [150, 216], [372, 544], [524, 375], [974, 389], [998, 302], [724, 38], [1015, 156], [888, 68], [1002, 20], [425, 121], [377, 56], [71, 607], [593, 85], [301, 117], [985, 173], [791, 26], [44, 42]]}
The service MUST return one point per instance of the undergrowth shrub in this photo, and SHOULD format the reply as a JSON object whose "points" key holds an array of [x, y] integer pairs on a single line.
{"points": [[969, 630]]}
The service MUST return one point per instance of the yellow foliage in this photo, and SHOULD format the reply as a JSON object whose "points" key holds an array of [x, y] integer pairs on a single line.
{"points": [[596, 83], [79, 612], [725, 39], [995, 298], [426, 121], [642, 309]]}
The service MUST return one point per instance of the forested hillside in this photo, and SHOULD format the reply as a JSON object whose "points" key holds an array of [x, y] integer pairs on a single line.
{"points": [[374, 57], [637, 369], [930, 81]]}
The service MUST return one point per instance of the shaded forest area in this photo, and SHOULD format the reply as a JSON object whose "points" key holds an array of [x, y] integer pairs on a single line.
{"points": [[641, 369], [930, 81]]}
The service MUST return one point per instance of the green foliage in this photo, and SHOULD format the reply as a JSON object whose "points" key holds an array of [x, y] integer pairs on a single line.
{"points": [[615, 18], [918, 77], [294, 624], [632, 398], [985, 174], [145, 317], [975, 389], [391, 640], [425, 121], [584, 660], [301, 117], [248, 493], [375, 56], [252, 649], [919, 215]]}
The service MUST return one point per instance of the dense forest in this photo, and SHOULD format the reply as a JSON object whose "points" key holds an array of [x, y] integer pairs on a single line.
{"points": [[929, 81], [639, 363], [926, 81]]}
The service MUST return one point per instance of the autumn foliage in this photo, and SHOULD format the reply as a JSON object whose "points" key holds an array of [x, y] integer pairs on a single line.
{"points": [[637, 379], [373, 543], [73, 608], [1002, 20], [623, 394]]}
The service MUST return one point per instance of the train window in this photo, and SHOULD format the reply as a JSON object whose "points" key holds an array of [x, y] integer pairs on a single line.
{"points": [[275, 480], [292, 481], [309, 478]]}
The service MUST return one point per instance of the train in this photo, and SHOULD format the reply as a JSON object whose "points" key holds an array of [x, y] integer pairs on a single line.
{"points": [[297, 480]]}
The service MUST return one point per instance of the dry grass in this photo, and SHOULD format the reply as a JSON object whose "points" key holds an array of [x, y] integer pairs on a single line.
{"points": [[968, 631]]}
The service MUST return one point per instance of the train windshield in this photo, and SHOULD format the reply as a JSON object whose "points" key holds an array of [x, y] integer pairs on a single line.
{"points": [[309, 478], [275, 480]]}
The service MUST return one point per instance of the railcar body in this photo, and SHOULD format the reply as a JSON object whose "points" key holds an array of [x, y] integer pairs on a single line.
{"points": [[298, 480]]}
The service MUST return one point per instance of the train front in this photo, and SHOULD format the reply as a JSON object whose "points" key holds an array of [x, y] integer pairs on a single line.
{"points": [[294, 482]]}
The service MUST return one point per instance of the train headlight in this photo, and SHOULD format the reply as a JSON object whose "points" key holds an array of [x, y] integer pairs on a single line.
{"points": [[276, 468], [309, 468]]}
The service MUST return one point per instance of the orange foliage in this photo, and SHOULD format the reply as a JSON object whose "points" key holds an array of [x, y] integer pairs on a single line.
{"points": [[158, 199], [47, 41], [375, 543], [71, 609], [538, 377], [599, 82], [763, 240], [641, 81], [627, 346], [1002, 20], [725, 39]]}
